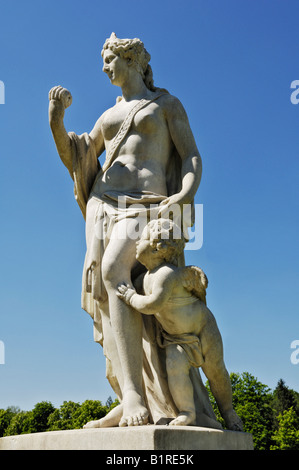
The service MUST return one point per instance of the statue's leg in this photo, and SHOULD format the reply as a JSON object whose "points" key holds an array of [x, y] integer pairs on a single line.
{"points": [[180, 385], [113, 371], [126, 323], [215, 370]]}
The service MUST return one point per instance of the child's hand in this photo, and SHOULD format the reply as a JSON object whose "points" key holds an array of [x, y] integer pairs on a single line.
{"points": [[125, 292]]}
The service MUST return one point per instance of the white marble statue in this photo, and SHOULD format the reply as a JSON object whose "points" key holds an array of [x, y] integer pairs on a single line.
{"points": [[151, 160]]}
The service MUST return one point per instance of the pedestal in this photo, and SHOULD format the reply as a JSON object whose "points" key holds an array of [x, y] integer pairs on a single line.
{"points": [[131, 438]]}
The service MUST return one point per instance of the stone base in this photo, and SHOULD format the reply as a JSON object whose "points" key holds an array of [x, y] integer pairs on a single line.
{"points": [[131, 438]]}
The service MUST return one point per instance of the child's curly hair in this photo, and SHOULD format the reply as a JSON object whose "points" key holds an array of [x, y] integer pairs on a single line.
{"points": [[166, 237]]}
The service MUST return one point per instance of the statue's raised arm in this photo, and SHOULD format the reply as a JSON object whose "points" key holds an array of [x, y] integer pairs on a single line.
{"points": [[78, 153], [60, 99]]}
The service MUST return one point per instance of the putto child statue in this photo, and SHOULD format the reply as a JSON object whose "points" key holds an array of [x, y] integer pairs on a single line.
{"points": [[176, 296]]}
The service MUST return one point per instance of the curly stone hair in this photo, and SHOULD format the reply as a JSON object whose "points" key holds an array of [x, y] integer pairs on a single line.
{"points": [[166, 237], [134, 50]]}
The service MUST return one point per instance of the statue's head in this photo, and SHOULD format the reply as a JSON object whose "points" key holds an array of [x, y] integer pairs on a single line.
{"points": [[166, 237], [133, 50]]}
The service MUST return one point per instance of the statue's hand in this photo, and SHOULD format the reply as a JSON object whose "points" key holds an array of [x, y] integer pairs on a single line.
{"points": [[61, 95], [173, 204], [125, 292]]}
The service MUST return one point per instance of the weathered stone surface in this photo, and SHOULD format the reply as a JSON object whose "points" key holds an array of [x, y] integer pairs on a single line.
{"points": [[149, 309], [132, 438]]}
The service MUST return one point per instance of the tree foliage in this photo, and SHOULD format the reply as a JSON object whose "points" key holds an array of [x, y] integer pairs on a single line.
{"points": [[259, 408], [45, 417], [284, 398], [73, 415], [252, 402], [286, 437]]}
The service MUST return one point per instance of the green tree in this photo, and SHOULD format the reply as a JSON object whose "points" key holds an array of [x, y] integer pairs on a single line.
{"points": [[19, 424], [45, 417], [63, 417], [40, 416], [73, 415], [286, 437], [36, 420], [89, 410], [114, 404], [109, 402], [6, 417], [284, 399], [252, 402]]}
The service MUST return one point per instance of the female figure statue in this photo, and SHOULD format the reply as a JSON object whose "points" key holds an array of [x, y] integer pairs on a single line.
{"points": [[151, 159]]}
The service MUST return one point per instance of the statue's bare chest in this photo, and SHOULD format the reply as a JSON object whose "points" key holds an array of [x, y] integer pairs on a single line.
{"points": [[146, 120]]}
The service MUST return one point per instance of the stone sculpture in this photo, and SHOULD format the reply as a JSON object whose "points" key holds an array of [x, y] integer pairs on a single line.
{"points": [[152, 164]]}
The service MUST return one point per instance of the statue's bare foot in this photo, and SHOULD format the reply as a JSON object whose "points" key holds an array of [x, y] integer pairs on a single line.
{"points": [[111, 419], [183, 419], [232, 421], [134, 411], [93, 424]]}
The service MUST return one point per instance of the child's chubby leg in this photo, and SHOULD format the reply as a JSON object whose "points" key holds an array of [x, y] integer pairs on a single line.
{"points": [[180, 385], [215, 370]]}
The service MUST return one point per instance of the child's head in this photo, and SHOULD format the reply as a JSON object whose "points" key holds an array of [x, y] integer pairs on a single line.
{"points": [[165, 237]]}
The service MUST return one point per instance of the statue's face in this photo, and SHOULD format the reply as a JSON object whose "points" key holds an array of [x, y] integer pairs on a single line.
{"points": [[143, 249], [115, 67]]}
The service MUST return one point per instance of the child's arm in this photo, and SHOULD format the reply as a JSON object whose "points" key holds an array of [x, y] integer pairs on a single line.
{"points": [[148, 304], [138, 283]]}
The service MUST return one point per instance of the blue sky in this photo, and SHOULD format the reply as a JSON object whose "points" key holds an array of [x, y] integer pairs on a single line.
{"points": [[231, 63]]}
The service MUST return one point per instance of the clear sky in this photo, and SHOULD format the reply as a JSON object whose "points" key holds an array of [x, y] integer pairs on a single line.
{"points": [[231, 63]]}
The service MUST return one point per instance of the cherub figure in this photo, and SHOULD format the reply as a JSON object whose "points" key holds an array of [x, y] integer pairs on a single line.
{"points": [[189, 332]]}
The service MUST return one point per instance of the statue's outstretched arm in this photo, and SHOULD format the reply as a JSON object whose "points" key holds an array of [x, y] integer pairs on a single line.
{"points": [[60, 99]]}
